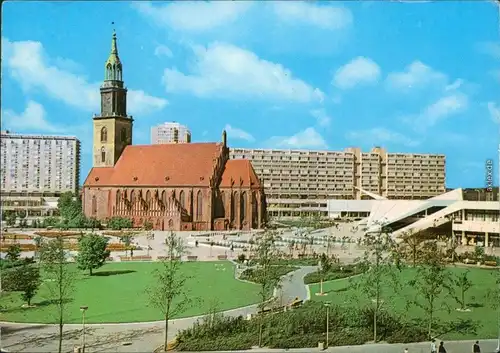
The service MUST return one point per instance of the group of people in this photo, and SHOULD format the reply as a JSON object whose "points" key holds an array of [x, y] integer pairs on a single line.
{"points": [[441, 349]]}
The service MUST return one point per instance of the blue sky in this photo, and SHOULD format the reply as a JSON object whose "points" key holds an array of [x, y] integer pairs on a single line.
{"points": [[411, 77]]}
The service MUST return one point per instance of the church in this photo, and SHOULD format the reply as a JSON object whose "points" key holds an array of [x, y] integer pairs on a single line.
{"points": [[180, 187]]}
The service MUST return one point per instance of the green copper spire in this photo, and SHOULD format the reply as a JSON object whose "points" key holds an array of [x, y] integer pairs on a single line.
{"points": [[113, 66]]}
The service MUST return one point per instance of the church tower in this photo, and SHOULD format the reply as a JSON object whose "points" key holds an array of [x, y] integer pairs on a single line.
{"points": [[112, 128]]}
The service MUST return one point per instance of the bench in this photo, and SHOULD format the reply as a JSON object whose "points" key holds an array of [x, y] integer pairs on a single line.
{"points": [[135, 258], [221, 257], [490, 263], [141, 258], [192, 258], [162, 258]]}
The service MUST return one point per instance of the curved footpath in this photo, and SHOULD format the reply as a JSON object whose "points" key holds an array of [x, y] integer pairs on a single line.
{"points": [[143, 336]]}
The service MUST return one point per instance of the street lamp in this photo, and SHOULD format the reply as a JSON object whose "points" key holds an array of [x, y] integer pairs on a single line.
{"points": [[327, 305], [83, 309]]}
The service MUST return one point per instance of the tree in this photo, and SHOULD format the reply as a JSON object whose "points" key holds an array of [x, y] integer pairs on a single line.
{"points": [[60, 282], [127, 239], [325, 265], [69, 207], [168, 292], [10, 219], [92, 252], [119, 223], [411, 245], [13, 253], [38, 240], [381, 278], [93, 223], [462, 283], [266, 275], [25, 279], [431, 280]]}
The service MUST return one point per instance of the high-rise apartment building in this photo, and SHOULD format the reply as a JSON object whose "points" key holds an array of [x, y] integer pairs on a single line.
{"points": [[39, 163], [298, 182], [170, 132]]}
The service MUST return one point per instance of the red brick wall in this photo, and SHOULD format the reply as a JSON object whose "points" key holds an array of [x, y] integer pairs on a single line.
{"points": [[107, 208]]}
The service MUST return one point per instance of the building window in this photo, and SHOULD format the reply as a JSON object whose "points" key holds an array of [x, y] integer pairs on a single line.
{"points": [[94, 206], [182, 199], [104, 134], [123, 134], [163, 198], [199, 206], [148, 197], [243, 207], [118, 198], [233, 206], [103, 154], [132, 197]]}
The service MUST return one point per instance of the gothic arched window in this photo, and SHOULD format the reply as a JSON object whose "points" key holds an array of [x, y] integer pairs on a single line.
{"points": [[132, 197], [243, 206], [108, 71], [104, 134], [164, 198], [103, 154], [118, 197], [233, 206], [148, 197], [94, 205], [199, 206], [182, 199]]}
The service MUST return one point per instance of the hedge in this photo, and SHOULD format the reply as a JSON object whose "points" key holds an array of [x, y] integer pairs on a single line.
{"points": [[53, 234], [337, 272]]}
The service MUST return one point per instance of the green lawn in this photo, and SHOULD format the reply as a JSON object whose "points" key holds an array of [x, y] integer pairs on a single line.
{"points": [[339, 292], [121, 297]]}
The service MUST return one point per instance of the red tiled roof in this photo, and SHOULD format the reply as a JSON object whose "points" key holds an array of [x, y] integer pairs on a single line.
{"points": [[160, 165], [239, 173]]}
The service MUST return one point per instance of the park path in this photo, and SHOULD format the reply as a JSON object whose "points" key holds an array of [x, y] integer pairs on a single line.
{"points": [[139, 337]]}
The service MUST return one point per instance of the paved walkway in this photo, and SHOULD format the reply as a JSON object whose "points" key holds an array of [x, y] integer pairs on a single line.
{"points": [[143, 337]]}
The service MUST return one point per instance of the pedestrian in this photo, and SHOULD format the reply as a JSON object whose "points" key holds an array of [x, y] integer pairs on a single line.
{"points": [[476, 348], [406, 350], [433, 346], [441, 347], [196, 243]]}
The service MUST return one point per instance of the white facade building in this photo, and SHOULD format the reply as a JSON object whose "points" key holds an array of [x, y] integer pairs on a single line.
{"points": [[469, 222], [170, 132], [299, 182], [39, 163]]}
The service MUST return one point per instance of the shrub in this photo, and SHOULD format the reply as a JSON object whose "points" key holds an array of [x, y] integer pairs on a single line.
{"points": [[237, 342], [55, 234], [337, 272], [252, 275]]}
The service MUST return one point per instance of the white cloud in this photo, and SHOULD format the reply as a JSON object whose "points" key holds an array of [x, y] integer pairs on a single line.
{"points": [[32, 118], [224, 70], [324, 16], [416, 75], [29, 65], [308, 138], [238, 134], [381, 136], [443, 108], [358, 71], [322, 118], [490, 48], [163, 50], [455, 85], [193, 16], [494, 112]]}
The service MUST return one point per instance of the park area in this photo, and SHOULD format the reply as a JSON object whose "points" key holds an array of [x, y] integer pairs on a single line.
{"points": [[117, 293], [478, 321]]}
